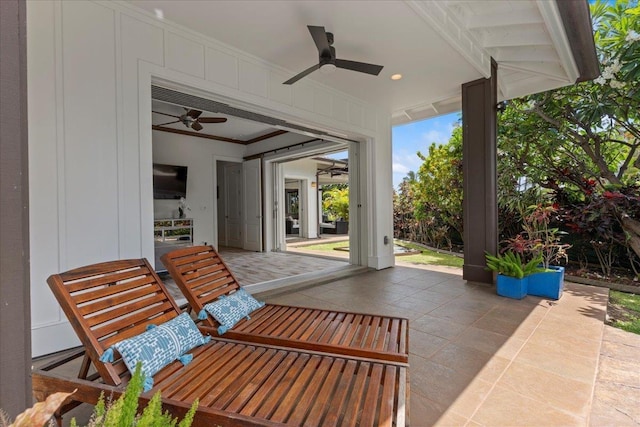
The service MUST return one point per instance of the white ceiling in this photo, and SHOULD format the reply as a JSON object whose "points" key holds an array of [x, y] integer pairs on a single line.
{"points": [[435, 45], [234, 127]]}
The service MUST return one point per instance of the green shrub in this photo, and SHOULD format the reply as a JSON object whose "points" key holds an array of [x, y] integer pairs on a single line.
{"points": [[121, 413]]}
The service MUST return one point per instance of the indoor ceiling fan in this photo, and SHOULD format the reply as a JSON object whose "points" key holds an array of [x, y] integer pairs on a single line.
{"points": [[191, 119], [328, 61]]}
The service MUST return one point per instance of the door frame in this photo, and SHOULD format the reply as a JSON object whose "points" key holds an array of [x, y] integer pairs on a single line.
{"points": [[150, 74], [357, 232]]}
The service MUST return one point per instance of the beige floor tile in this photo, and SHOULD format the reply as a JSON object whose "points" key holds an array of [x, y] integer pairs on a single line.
{"points": [[570, 344], [562, 330], [493, 369], [424, 281], [463, 302], [436, 382], [423, 344], [504, 407], [429, 295], [416, 304], [424, 412], [504, 326], [438, 327], [511, 348], [459, 316], [451, 287], [451, 419], [558, 362], [467, 361], [471, 398], [558, 392], [480, 339]]}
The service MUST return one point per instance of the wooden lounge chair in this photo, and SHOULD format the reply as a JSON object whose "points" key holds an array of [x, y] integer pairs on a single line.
{"points": [[237, 383], [203, 276]]}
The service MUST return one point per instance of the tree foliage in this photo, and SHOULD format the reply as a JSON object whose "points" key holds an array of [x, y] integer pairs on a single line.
{"points": [[583, 140], [577, 146]]}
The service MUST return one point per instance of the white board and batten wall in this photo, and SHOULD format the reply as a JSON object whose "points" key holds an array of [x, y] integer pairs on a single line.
{"points": [[90, 68]]}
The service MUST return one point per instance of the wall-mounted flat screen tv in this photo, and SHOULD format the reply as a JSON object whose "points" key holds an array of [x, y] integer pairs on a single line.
{"points": [[169, 181]]}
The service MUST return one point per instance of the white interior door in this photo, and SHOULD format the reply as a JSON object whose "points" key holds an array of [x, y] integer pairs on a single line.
{"points": [[252, 212], [233, 204]]}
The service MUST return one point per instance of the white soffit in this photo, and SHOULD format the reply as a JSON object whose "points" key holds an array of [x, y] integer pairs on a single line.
{"points": [[436, 45]]}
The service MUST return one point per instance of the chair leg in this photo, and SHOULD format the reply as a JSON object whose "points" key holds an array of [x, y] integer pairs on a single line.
{"points": [[84, 367]]}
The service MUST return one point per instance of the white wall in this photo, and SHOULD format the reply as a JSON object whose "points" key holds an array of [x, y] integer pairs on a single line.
{"points": [[90, 68]]}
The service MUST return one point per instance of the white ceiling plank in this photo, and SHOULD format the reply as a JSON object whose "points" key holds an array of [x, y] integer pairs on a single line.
{"points": [[502, 19], [512, 36], [524, 53], [539, 68]]}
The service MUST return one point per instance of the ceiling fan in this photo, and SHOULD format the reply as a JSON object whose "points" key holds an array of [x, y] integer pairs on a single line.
{"points": [[191, 119], [328, 61]]}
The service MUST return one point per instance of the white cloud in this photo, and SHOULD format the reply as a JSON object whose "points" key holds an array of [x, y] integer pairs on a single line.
{"points": [[400, 168], [439, 137]]}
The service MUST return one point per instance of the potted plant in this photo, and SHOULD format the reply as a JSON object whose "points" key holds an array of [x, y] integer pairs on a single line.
{"points": [[541, 240], [513, 273]]}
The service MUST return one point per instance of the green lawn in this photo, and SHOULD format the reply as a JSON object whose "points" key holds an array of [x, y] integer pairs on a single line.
{"points": [[429, 257], [630, 303], [426, 257]]}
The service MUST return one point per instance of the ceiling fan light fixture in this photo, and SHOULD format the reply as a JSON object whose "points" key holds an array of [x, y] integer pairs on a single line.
{"points": [[328, 68]]}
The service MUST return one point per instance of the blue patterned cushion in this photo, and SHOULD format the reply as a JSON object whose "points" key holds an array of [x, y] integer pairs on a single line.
{"points": [[228, 310], [159, 346]]}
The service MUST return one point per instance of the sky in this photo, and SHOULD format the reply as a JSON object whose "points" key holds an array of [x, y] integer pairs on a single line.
{"points": [[417, 136]]}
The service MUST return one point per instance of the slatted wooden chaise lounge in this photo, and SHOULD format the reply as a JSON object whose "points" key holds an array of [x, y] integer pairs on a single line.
{"points": [[237, 383], [203, 277]]}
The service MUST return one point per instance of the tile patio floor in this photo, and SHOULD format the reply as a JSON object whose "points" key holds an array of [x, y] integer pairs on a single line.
{"points": [[477, 359]]}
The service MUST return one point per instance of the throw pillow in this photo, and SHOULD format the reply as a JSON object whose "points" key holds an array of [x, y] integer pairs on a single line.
{"points": [[158, 347], [228, 310]]}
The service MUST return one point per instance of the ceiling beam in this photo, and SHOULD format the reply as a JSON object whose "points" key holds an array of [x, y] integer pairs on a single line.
{"points": [[556, 27], [198, 135], [220, 138], [266, 136], [576, 15]]}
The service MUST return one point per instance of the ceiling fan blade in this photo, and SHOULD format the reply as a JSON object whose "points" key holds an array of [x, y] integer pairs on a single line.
{"points": [[212, 119], [359, 66], [165, 114], [194, 114], [297, 77], [320, 39], [170, 123], [196, 126]]}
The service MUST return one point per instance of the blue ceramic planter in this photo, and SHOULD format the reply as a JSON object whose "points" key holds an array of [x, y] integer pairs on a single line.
{"points": [[548, 284], [511, 287]]}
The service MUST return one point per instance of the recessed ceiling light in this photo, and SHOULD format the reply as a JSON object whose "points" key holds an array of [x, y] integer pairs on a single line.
{"points": [[159, 13], [396, 77]]}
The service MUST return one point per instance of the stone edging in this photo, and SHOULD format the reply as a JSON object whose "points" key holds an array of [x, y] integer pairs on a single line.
{"points": [[603, 284]]}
